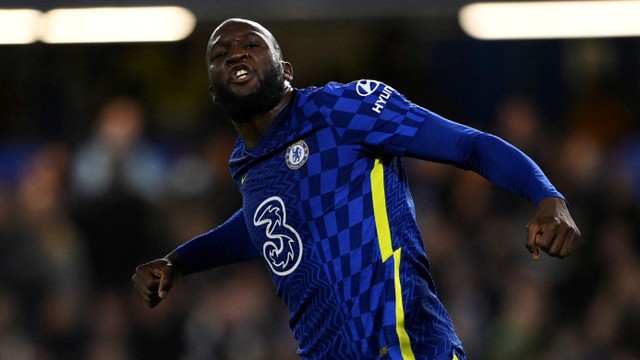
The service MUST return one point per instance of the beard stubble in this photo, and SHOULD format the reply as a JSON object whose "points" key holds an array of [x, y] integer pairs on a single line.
{"points": [[265, 96]]}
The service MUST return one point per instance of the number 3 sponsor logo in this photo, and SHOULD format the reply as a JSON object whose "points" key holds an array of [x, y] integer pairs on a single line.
{"points": [[283, 250]]}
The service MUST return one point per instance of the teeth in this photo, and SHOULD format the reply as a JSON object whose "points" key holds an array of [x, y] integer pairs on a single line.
{"points": [[241, 73]]}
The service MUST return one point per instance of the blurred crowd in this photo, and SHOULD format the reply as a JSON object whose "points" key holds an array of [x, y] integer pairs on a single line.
{"points": [[75, 220]]}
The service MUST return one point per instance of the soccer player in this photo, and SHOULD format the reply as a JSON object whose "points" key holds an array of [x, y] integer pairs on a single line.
{"points": [[326, 203]]}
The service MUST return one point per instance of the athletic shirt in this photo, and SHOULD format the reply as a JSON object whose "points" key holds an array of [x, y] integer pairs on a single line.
{"points": [[326, 204]]}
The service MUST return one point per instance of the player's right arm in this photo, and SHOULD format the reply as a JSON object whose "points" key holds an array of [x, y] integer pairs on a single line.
{"points": [[226, 244]]}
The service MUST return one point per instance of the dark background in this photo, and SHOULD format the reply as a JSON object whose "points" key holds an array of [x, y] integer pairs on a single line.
{"points": [[69, 245]]}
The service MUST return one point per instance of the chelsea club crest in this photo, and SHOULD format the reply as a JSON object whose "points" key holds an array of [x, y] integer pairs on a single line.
{"points": [[296, 155]]}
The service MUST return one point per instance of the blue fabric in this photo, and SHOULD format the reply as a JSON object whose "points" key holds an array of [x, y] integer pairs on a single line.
{"points": [[226, 244], [310, 211]]}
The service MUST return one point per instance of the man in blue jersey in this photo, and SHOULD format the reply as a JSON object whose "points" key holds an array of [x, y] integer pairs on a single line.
{"points": [[326, 203]]}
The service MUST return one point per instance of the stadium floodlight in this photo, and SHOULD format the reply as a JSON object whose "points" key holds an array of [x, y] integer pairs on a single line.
{"points": [[117, 24], [19, 26], [551, 19]]}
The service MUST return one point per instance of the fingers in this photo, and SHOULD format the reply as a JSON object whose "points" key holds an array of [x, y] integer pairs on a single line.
{"points": [[164, 286], [547, 234], [568, 245], [147, 295], [554, 237], [152, 282], [558, 241], [563, 241], [532, 233], [146, 288]]}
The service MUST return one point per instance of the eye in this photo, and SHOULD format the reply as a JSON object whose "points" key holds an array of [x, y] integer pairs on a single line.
{"points": [[219, 54], [252, 45]]}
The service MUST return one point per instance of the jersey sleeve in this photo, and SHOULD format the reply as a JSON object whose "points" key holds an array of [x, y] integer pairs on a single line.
{"points": [[501, 163], [226, 244], [383, 120]]}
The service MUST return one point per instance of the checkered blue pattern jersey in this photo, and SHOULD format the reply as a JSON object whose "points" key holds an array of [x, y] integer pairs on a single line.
{"points": [[326, 200]]}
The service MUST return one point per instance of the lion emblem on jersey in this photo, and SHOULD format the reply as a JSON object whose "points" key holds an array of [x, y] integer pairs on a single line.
{"points": [[283, 250], [296, 155]]}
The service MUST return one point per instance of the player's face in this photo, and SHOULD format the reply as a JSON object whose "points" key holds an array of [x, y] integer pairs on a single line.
{"points": [[245, 69]]}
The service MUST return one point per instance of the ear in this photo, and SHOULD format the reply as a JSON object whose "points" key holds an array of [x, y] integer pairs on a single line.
{"points": [[213, 95], [288, 70]]}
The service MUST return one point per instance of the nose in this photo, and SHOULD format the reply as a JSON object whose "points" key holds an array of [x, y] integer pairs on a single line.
{"points": [[236, 55]]}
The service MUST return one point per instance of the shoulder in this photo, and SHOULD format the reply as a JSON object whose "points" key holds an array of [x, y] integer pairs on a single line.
{"points": [[361, 87], [356, 90]]}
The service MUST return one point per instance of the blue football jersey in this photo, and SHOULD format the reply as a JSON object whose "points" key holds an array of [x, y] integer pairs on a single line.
{"points": [[327, 205], [326, 200]]}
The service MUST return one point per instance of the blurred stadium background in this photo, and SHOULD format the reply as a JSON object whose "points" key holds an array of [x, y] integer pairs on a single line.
{"points": [[111, 155]]}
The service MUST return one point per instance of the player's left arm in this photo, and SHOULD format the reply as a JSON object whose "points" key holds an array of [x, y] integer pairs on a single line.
{"points": [[552, 228], [389, 124], [420, 133]]}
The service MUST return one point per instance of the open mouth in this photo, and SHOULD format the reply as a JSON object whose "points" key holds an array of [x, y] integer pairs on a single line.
{"points": [[240, 73]]}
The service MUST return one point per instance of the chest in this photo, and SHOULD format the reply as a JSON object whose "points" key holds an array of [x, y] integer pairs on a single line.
{"points": [[312, 169]]}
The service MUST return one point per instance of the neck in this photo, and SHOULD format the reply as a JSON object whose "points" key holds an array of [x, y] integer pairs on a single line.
{"points": [[252, 129]]}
